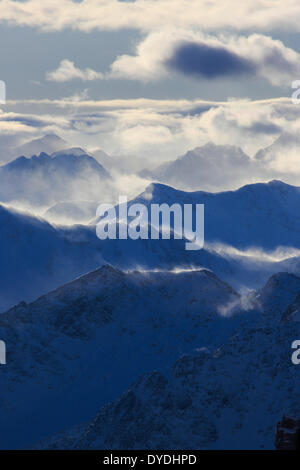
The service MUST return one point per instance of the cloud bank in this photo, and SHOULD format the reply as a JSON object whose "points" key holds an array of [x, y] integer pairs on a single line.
{"points": [[147, 15], [145, 133]]}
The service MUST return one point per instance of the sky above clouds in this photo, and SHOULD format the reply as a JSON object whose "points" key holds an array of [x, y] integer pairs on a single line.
{"points": [[149, 78]]}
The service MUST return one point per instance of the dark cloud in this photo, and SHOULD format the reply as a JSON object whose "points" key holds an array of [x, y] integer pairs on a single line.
{"points": [[207, 61], [264, 128]]}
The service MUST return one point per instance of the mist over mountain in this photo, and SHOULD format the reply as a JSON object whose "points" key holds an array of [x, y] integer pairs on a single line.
{"points": [[261, 215], [72, 212], [44, 180], [74, 352], [286, 142], [208, 167], [281, 158], [227, 314], [49, 143], [75, 348], [15, 147], [149, 227], [38, 256]]}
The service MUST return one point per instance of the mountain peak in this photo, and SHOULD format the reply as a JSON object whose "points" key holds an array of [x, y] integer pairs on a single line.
{"points": [[280, 184], [213, 145], [279, 292], [76, 151], [105, 272], [44, 180], [51, 137], [273, 184], [213, 150], [281, 279], [208, 167], [48, 143]]}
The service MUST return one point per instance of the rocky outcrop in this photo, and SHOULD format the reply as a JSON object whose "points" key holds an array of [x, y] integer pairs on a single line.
{"points": [[288, 434]]}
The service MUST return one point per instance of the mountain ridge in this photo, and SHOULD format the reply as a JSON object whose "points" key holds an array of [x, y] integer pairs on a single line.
{"points": [[47, 179]]}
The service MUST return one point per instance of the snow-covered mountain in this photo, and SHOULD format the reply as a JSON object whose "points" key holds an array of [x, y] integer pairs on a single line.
{"points": [[230, 397], [278, 293], [44, 180], [264, 215], [79, 347], [38, 256], [75, 350], [208, 167]]}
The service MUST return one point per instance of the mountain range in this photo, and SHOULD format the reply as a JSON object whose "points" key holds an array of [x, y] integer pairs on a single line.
{"points": [[261, 215], [75, 348], [208, 167], [45, 180], [49, 143], [211, 167], [141, 344], [206, 362], [250, 234]]}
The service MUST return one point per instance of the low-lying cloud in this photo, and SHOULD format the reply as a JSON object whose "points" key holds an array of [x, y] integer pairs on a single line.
{"points": [[142, 134]]}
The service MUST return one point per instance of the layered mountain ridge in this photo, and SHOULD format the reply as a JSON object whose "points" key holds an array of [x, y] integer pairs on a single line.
{"points": [[44, 180], [78, 348], [250, 234]]}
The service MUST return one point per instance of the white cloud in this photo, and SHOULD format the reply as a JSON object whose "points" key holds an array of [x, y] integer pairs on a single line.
{"points": [[145, 133], [148, 63], [154, 131], [256, 55], [146, 15], [67, 71], [163, 53]]}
